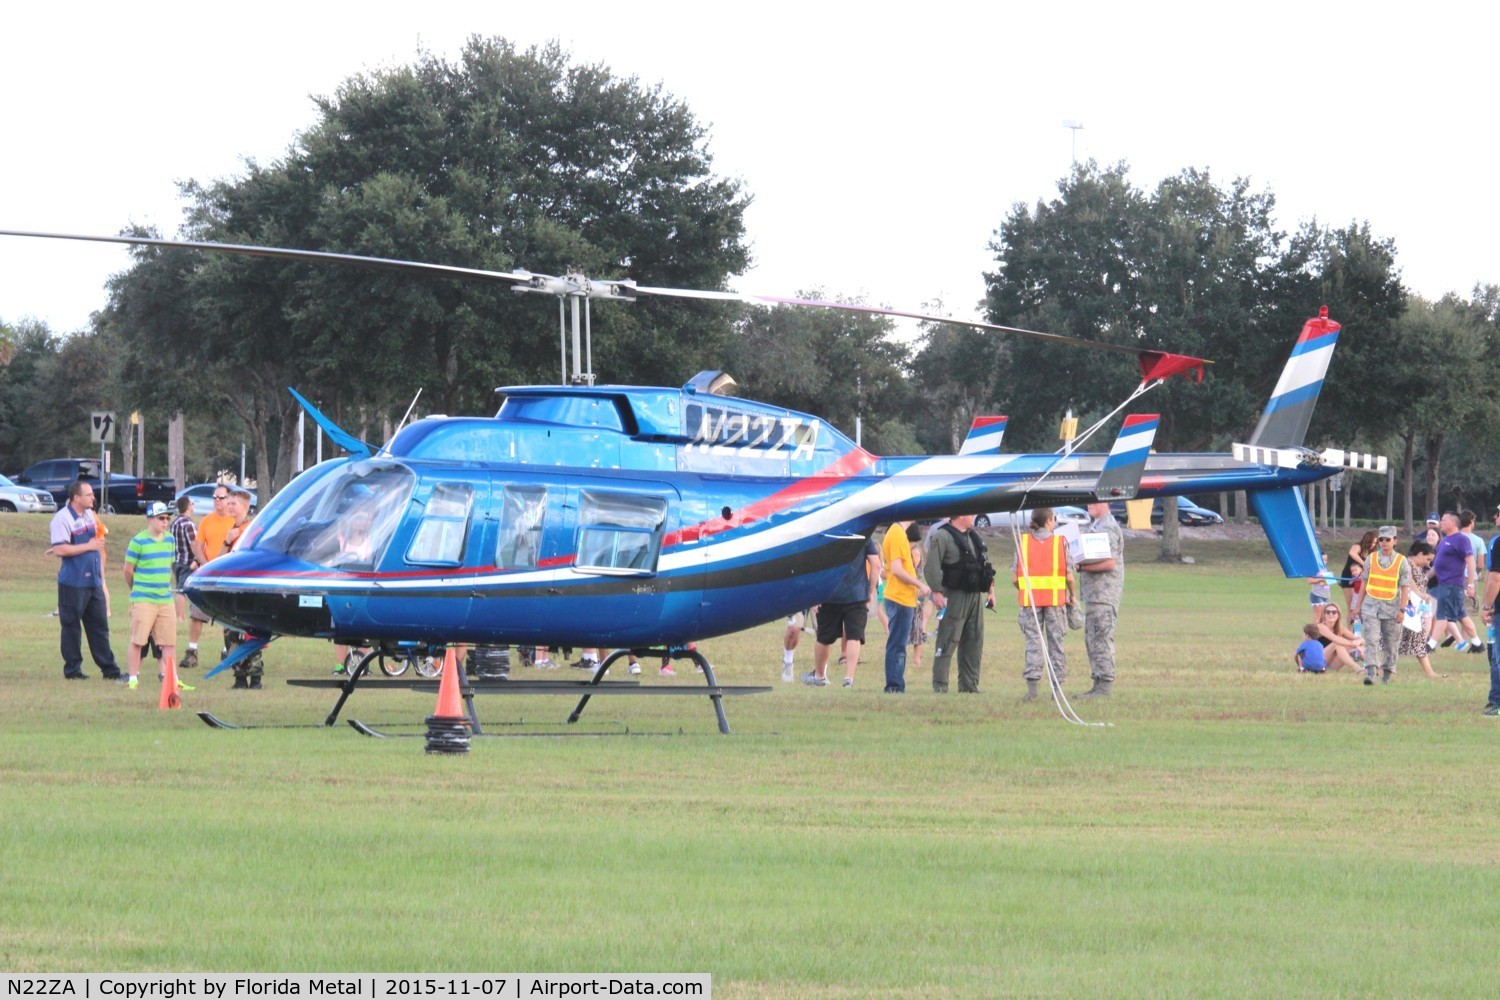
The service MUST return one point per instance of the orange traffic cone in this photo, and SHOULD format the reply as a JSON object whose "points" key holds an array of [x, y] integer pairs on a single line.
{"points": [[449, 704], [448, 726], [169, 696]]}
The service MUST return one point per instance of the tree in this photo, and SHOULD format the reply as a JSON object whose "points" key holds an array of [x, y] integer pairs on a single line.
{"points": [[502, 158], [846, 367]]}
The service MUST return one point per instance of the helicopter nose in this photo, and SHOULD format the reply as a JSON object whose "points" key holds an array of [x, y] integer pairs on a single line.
{"points": [[251, 591], [263, 613]]}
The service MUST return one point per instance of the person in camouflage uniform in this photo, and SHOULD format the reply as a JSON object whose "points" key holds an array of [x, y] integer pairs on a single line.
{"points": [[1044, 590], [1387, 588], [1103, 584]]}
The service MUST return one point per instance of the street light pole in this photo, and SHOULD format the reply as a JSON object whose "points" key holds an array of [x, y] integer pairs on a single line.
{"points": [[1074, 126]]}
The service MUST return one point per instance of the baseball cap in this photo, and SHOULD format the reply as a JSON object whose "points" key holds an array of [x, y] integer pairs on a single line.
{"points": [[1387, 531], [157, 509], [1432, 518]]}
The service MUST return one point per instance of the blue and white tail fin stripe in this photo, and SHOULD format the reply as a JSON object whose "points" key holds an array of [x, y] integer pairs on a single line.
{"points": [[1121, 475], [1290, 410], [984, 437]]}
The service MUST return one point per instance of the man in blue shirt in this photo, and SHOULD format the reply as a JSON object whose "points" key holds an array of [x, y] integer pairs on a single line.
{"points": [[1453, 564], [844, 615], [81, 604]]}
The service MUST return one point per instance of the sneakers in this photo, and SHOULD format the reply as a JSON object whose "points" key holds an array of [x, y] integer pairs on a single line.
{"points": [[667, 671], [133, 683], [1476, 647], [1447, 642], [189, 660], [787, 676], [1462, 647], [185, 687], [585, 663], [813, 680], [848, 682], [1432, 644], [1491, 710], [635, 669]]}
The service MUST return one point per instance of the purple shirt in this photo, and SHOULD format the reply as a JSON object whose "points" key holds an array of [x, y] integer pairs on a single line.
{"points": [[1452, 550]]}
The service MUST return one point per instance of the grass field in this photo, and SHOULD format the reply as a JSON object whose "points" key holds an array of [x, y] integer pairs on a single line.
{"points": [[1236, 830]]}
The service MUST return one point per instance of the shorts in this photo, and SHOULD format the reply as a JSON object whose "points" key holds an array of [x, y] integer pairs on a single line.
{"points": [[197, 615], [797, 620], [149, 619], [1450, 602], [180, 572], [842, 621], [1318, 600]]}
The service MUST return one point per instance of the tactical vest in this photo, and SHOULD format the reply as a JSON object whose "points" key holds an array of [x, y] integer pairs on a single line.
{"points": [[1042, 572], [973, 572], [1382, 584]]}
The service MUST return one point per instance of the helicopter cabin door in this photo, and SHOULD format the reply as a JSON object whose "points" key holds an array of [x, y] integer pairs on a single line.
{"points": [[426, 583], [623, 586]]}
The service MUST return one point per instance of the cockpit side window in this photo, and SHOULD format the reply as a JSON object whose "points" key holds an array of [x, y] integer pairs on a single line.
{"points": [[445, 525], [619, 533], [522, 511]]}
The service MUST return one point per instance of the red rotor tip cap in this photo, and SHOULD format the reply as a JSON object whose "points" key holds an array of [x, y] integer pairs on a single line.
{"points": [[1322, 312]]}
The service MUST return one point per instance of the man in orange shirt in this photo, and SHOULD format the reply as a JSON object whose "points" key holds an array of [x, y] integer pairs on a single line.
{"points": [[208, 545]]}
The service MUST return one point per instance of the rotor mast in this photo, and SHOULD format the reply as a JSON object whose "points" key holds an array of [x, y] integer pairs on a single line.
{"points": [[573, 293]]}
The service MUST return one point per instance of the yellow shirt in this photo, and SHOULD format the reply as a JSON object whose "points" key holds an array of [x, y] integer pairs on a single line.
{"points": [[896, 548]]}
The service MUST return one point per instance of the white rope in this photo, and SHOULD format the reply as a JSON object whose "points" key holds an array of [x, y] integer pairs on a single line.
{"points": [[1064, 707]]}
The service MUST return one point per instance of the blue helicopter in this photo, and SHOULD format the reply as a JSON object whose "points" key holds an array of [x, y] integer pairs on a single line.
{"points": [[584, 515]]}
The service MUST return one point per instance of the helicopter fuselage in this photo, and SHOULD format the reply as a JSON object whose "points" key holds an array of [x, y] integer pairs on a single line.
{"points": [[615, 516]]}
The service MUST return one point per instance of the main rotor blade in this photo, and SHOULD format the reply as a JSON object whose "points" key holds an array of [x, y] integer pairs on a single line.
{"points": [[517, 277], [1057, 338]]}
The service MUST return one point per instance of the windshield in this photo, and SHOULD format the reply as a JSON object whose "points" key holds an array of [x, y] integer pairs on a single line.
{"points": [[345, 520], [5, 482]]}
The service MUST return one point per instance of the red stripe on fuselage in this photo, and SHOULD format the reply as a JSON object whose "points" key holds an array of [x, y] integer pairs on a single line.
{"points": [[850, 464]]}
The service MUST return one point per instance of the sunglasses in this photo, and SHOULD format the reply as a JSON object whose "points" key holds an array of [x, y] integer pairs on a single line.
{"points": [[221, 496], [1331, 611], [1391, 540]]}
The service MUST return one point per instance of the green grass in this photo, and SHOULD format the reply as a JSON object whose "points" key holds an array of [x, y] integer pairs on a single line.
{"points": [[1236, 830]]}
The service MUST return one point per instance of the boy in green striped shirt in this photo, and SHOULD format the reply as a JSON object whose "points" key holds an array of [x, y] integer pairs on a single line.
{"points": [[148, 574]]}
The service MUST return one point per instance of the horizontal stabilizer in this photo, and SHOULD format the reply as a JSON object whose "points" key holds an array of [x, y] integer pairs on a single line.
{"points": [[1283, 517], [985, 435], [1121, 476], [1297, 458]]}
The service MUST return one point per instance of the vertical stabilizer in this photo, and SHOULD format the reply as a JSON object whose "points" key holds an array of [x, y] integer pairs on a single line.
{"points": [[984, 437], [1121, 476], [1283, 517], [1284, 424]]}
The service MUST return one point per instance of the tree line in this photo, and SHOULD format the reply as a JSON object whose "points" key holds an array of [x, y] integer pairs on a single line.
{"points": [[505, 158]]}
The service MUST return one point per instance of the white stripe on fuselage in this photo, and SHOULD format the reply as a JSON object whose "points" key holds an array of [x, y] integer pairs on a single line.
{"points": [[922, 477]]}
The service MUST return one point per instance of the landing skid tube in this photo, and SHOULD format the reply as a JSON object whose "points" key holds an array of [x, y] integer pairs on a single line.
{"points": [[715, 692]]}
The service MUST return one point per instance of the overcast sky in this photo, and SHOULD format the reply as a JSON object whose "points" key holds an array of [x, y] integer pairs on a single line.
{"points": [[882, 150]]}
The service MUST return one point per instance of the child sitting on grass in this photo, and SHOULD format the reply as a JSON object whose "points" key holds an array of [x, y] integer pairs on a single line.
{"points": [[1309, 655]]}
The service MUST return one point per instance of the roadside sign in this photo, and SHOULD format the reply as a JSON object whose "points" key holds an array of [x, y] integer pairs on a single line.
{"points": [[102, 427]]}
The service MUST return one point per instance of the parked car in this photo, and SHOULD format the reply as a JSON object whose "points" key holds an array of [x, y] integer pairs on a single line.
{"points": [[20, 499], [1189, 514], [203, 498], [127, 494], [1022, 518]]}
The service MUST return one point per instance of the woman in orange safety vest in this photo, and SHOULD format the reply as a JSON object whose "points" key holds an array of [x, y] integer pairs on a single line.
{"points": [[1045, 585]]}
